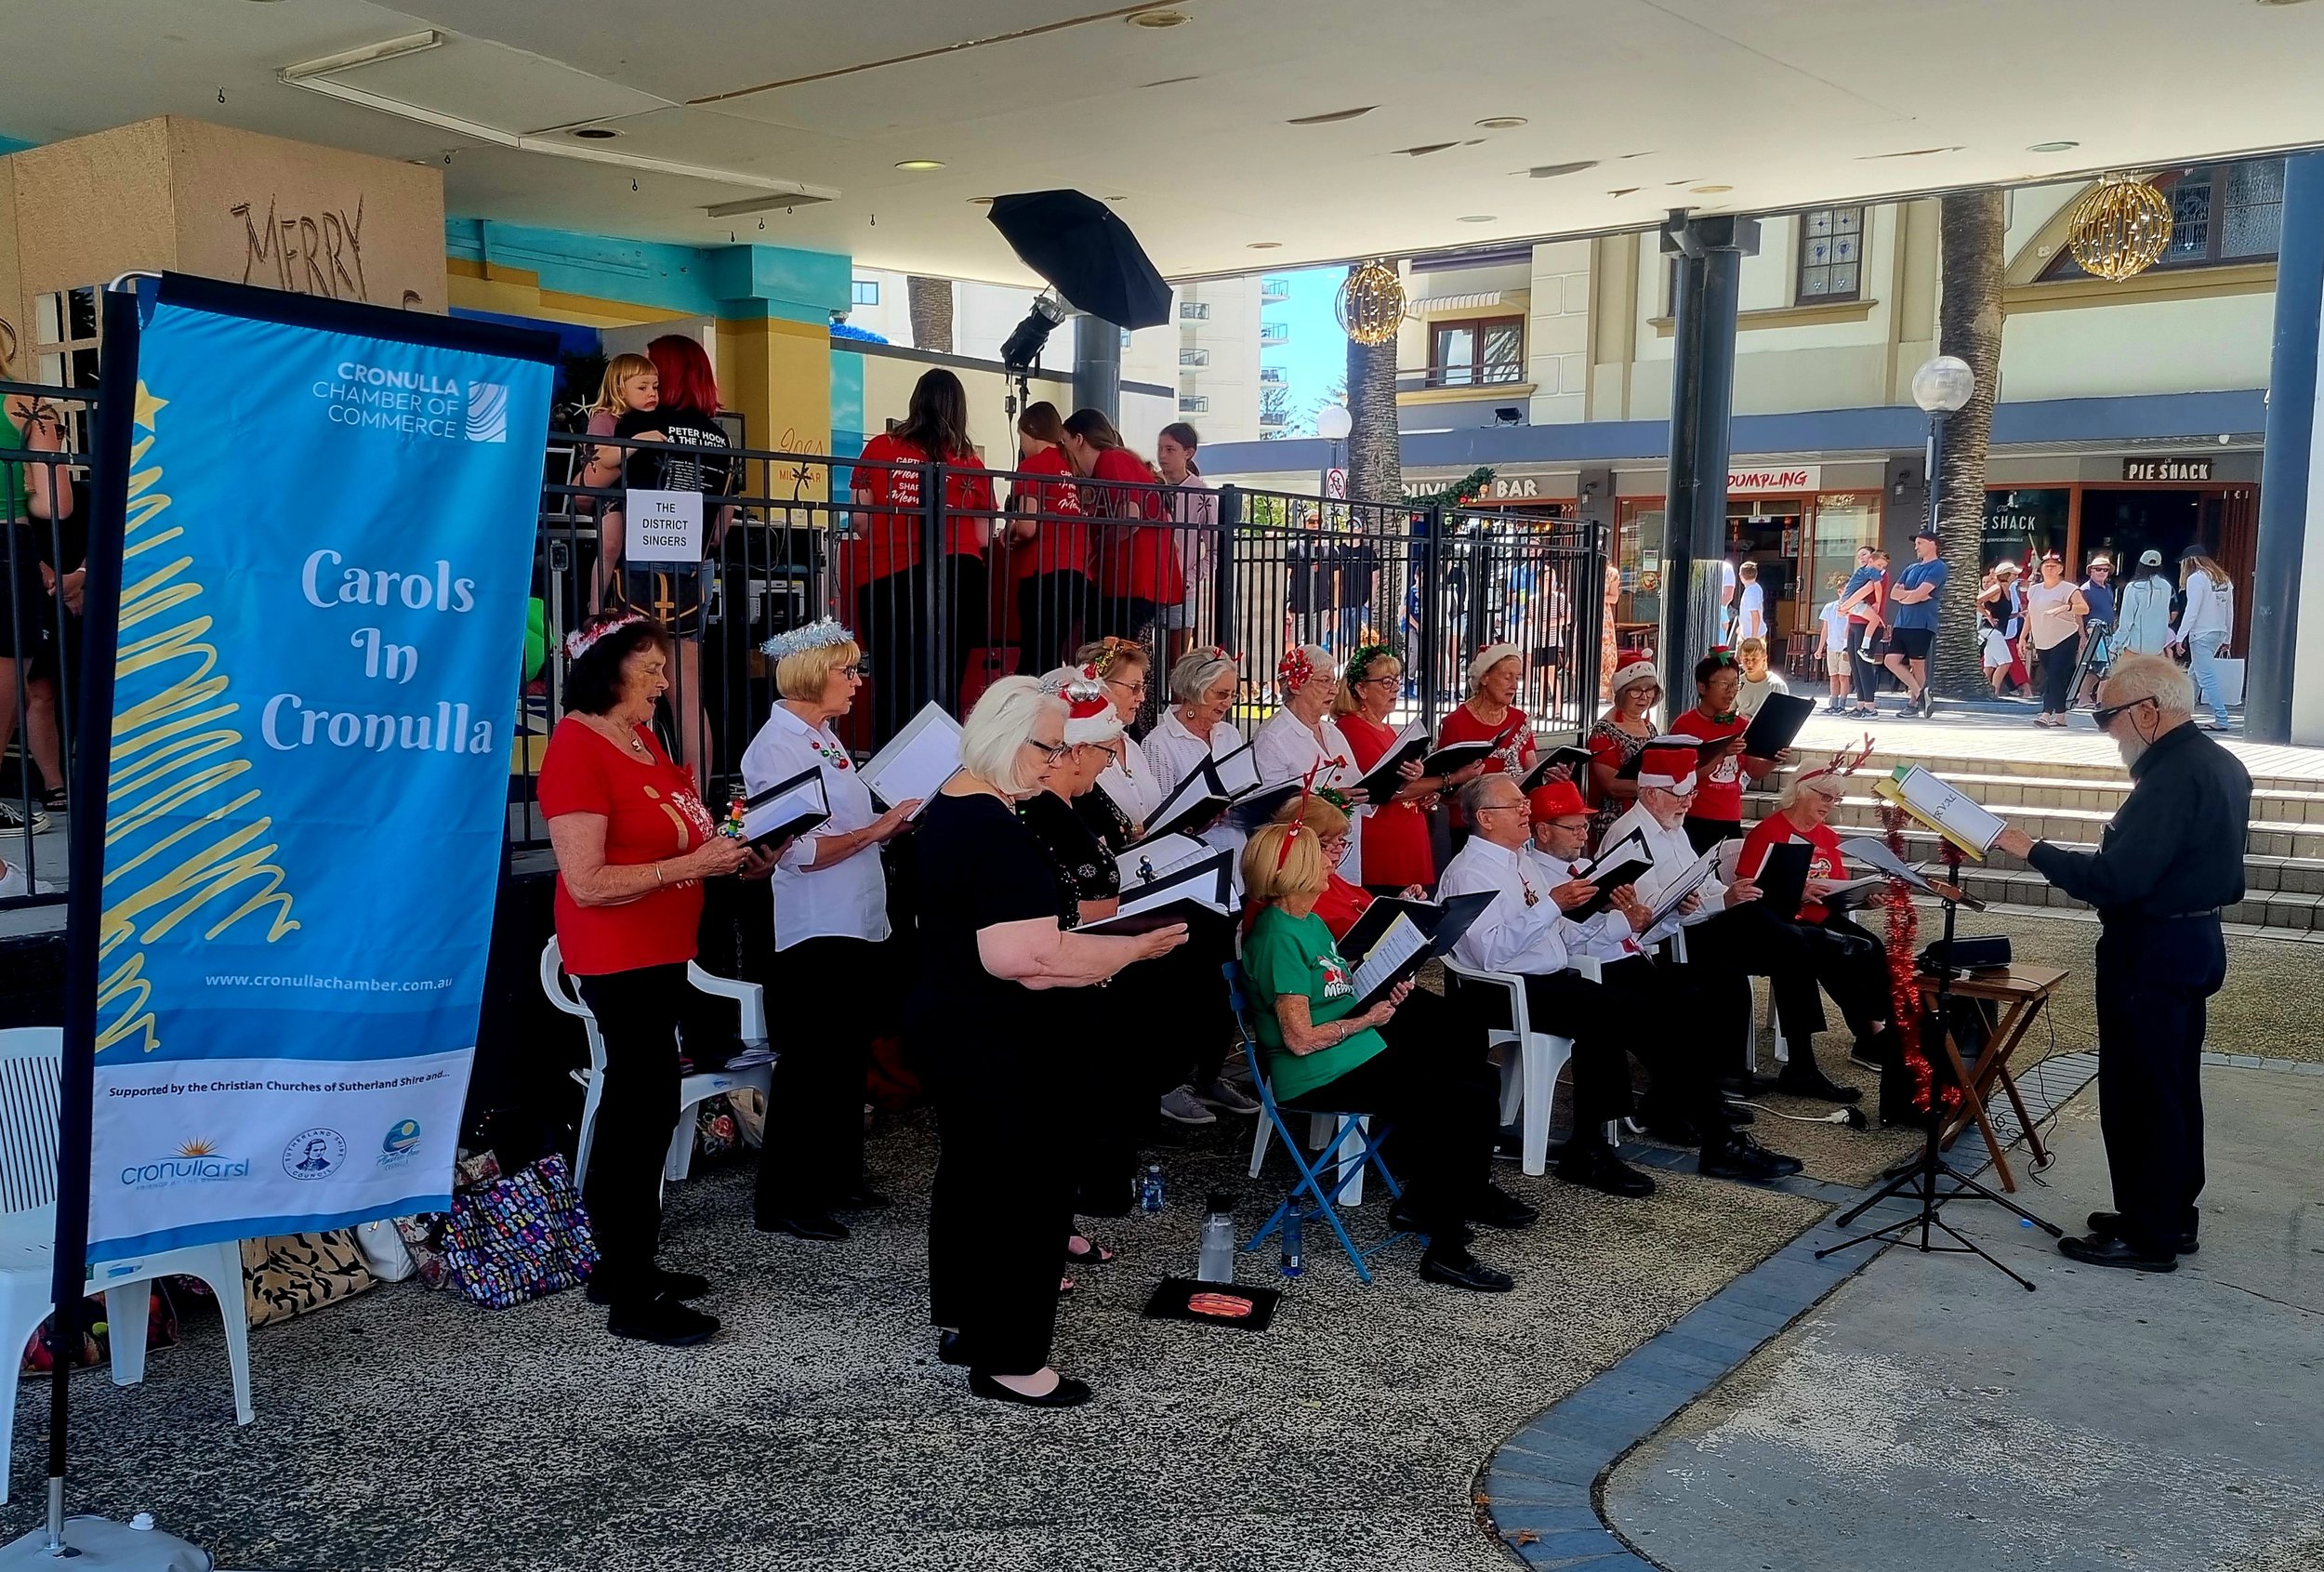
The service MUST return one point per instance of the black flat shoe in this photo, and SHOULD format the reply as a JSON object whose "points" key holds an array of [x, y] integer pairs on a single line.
{"points": [[1598, 1168], [1812, 1082], [821, 1227], [862, 1198], [676, 1285], [1096, 1255], [1067, 1394], [662, 1320], [1495, 1207], [1457, 1268], [2097, 1250], [1740, 1157], [948, 1349], [2111, 1225]]}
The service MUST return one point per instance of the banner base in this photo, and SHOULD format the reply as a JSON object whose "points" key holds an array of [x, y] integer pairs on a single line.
{"points": [[98, 1544]]}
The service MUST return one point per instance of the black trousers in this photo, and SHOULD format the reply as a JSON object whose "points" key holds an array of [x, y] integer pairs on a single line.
{"points": [[1850, 964], [1053, 610], [1865, 670], [1724, 951], [637, 1015], [2154, 979], [1667, 1008], [2057, 675], [1001, 1207], [813, 1151], [1441, 1103], [1175, 1011]]}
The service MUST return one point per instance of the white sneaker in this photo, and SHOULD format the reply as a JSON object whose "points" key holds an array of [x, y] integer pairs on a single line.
{"points": [[12, 816], [1181, 1106], [1226, 1097]]}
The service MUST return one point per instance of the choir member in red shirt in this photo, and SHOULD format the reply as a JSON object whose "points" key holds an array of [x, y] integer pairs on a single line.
{"points": [[1717, 813], [1139, 569], [1051, 560]]}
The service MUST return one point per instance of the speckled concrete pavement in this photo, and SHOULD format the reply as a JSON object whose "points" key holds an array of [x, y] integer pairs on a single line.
{"points": [[408, 1430], [1931, 1415]]}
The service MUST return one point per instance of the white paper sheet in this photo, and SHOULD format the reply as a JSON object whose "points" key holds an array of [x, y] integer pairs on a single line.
{"points": [[918, 761]]}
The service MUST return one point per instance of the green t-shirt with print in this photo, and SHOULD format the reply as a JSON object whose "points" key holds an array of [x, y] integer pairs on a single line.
{"points": [[1297, 954]]}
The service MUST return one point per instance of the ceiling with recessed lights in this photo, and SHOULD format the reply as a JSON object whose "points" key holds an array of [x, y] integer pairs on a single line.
{"points": [[1314, 129]]}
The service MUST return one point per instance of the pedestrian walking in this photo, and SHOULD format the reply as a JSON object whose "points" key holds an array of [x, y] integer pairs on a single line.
{"points": [[2142, 624], [2201, 635], [2055, 610]]}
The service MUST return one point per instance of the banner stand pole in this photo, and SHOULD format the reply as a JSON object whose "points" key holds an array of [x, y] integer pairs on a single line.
{"points": [[92, 1542]]}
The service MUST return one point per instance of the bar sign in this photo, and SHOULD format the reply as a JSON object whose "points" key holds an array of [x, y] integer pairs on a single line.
{"points": [[663, 526]]}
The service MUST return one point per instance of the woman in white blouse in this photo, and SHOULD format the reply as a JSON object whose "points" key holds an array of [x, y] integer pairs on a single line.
{"points": [[1303, 735], [2204, 626], [1203, 685], [831, 967], [1121, 665]]}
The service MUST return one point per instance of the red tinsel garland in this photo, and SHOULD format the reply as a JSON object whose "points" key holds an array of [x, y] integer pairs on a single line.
{"points": [[1904, 982]]}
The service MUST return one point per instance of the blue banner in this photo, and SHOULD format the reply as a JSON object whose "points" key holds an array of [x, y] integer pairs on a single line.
{"points": [[326, 561]]}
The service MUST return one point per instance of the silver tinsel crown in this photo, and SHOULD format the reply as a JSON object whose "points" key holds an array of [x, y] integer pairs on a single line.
{"points": [[813, 636]]}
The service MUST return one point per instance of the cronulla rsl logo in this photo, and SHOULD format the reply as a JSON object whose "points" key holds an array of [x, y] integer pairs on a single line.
{"points": [[196, 1162], [416, 401]]}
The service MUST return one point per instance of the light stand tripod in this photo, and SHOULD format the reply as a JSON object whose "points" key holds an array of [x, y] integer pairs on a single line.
{"points": [[1919, 1182]]}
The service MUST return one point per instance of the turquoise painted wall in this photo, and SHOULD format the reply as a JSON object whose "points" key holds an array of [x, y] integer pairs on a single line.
{"points": [[735, 283]]}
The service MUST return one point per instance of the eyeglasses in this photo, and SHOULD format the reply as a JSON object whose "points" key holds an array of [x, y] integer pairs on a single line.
{"points": [[1501, 807], [1051, 752], [1136, 690], [1377, 681], [2105, 717], [861, 668]]}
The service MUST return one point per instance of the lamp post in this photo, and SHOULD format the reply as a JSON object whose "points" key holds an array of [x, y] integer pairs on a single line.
{"points": [[1940, 387], [1333, 423]]}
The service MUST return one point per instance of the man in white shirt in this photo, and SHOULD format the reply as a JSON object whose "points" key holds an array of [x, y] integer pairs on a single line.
{"points": [[1751, 613]]}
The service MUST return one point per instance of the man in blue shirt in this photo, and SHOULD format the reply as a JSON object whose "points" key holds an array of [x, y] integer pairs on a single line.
{"points": [[1912, 622], [2098, 627]]}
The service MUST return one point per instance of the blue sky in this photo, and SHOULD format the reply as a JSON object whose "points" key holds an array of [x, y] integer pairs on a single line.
{"points": [[1317, 354]]}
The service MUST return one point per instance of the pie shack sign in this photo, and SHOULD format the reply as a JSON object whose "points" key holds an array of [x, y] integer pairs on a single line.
{"points": [[2166, 468]]}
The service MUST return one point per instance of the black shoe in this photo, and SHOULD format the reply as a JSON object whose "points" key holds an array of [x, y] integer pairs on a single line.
{"points": [[1734, 1115], [2112, 1225], [676, 1285], [662, 1319], [1456, 1268], [1738, 1156], [862, 1198], [1067, 1394], [1752, 1084], [1495, 1207], [2098, 1250], [1804, 1077], [948, 1349], [1597, 1168], [822, 1227]]}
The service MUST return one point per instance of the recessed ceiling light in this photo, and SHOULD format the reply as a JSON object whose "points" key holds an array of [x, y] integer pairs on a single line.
{"points": [[1503, 122], [2054, 147], [1710, 190], [919, 163], [1327, 119], [595, 133], [1264, 245], [1158, 18], [1476, 219]]}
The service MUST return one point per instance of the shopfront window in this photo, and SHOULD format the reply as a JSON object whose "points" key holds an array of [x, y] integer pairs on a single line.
{"points": [[1845, 523], [1638, 553], [2020, 525]]}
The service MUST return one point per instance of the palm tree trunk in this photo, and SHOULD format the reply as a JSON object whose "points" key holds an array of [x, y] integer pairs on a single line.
{"points": [[1375, 452], [1970, 228], [932, 313]]}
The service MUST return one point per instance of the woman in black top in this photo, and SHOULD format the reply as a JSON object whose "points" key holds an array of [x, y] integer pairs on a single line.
{"points": [[673, 593], [993, 1053]]}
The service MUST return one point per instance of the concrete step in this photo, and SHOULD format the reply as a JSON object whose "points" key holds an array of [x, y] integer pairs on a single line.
{"points": [[1885, 759], [2263, 874], [2021, 886], [2008, 793], [2081, 826]]}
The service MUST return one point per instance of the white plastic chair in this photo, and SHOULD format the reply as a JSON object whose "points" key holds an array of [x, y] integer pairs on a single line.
{"points": [[30, 1058], [692, 1091], [1530, 1060]]}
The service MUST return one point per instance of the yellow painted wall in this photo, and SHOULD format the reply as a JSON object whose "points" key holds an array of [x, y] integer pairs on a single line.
{"points": [[778, 374]]}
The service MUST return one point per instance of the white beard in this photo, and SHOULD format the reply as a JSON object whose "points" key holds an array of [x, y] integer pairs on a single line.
{"points": [[2133, 747]]}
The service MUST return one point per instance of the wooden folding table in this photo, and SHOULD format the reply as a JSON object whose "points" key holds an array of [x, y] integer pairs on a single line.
{"points": [[2021, 993]]}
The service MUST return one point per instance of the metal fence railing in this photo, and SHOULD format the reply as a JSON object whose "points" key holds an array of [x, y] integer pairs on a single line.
{"points": [[43, 509], [950, 576]]}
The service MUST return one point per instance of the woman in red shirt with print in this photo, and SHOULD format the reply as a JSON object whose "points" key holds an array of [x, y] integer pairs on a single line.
{"points": [[1139, 570], [1050, 556], [633, 844], [1717, 814], [1396, 851], [880, 568], [1491, 713]]}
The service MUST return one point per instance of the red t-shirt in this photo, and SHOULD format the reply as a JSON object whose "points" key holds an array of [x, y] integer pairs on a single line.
{"points": [[887, 540], [1462, 726], [1138, 560], [1823, 862], [650, 812], [1058, 545], [1718, 786], [1338, 905], [1396, 845]]}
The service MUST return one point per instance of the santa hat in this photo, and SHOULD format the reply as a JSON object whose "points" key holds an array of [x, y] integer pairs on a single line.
{"points": [[1490, 657], [1556, 800], [1668, 763], [1634, 671], [1090, 714]]}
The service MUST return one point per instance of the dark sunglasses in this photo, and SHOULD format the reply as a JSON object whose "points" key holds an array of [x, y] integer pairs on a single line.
{"points": [[2105, 717]]}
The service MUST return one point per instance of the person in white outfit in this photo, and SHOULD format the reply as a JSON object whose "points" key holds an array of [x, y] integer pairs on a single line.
{"points": [[2142, 616], [2204, 624]]}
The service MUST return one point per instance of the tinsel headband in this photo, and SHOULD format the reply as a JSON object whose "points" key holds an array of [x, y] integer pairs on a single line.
{"points": [[1110, 648], [1364, 655], [580, 640], [813, 636]]}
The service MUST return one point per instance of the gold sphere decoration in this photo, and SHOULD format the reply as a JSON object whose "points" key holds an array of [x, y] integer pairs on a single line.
{"points": [[1372, 303], [2119, 227]]}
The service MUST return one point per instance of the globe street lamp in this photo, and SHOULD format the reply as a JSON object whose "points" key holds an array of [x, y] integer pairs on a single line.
{"points": [[1333, 423], [1940, 387]]}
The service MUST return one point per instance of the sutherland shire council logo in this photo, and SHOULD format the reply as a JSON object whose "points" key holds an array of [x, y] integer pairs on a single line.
{"points": [[413, 403], [314, 1154], [402, 1140], [196, 1162]]}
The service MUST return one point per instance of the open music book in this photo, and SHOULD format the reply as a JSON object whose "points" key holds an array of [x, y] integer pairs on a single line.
{"points": [[1383, 781], [1666, 894], [918, 761], [1383, 954], [1958, 817], [1204, 885], [1776, 726], [1628, 866], [1551, 757], [1889, 865], [785, 809]]}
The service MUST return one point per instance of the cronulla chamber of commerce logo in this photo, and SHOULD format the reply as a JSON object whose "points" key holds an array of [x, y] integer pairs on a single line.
{"points": [[413, 400], [401, 1141], [314, 1154], [197, 1161]]}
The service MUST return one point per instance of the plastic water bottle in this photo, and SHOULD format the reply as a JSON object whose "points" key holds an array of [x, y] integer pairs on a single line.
{"points": [[1217, 1261], [1294, 1248], [1150, 1192]]}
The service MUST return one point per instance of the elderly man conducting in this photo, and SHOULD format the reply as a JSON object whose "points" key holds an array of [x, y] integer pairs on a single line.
{"points": [[1525, 931], [2172, 858]]}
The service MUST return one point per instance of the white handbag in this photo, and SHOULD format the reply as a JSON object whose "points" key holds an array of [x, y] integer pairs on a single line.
{"points": [[383, 1250]]}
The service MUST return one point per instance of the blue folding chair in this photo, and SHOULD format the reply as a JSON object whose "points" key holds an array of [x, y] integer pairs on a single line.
{"points": [[1341, 1168]]}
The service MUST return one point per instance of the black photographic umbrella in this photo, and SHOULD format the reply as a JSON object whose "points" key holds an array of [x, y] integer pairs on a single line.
{"points": [[1087, 253]]}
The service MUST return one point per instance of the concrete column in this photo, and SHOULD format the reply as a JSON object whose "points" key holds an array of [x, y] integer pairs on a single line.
{"points": [[1098, 367], [1709, 253], [2283, 702]]}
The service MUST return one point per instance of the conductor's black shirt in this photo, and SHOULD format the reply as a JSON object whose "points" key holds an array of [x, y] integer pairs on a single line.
{"points": [[2175, 845]]}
